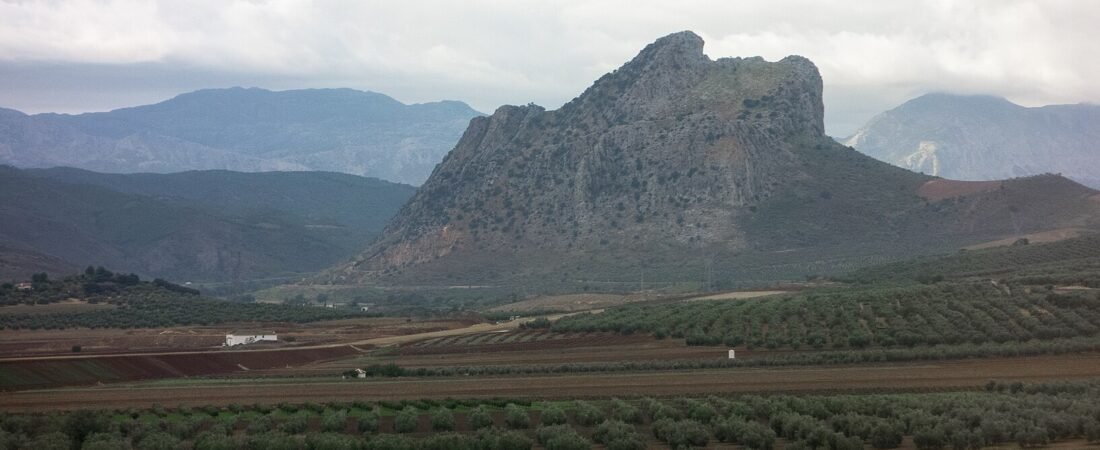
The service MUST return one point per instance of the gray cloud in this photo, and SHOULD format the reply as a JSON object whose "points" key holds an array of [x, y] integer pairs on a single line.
{"points": [[84, 55]]}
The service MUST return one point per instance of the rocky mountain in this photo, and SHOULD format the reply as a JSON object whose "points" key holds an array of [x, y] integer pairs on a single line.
{"points": [[198, 226], [677, 168], [985, 138], [249, 130]]}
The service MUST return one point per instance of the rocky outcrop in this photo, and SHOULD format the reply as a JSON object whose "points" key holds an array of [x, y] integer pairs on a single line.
{"points": [[673, 162]]}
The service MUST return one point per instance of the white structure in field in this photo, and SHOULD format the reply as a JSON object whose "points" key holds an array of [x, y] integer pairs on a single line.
{"points": [[733, 354], [248, 337]]}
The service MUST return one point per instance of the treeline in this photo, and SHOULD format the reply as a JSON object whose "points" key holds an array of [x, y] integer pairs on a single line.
{"points": [[1002, 413], [910, 316], [140, 304]]}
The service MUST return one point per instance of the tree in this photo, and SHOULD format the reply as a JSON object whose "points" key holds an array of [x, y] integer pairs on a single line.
{"points": [[885, 436], [158, 441], [42, 277], [480, 418], [587, 414], [442, 419], [553, 415], [516, 417], [334, 421], [406, 420], [367, 422], [504, 440]]}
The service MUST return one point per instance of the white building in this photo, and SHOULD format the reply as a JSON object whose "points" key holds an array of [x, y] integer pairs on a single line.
{"points": [[248, 337], [733, 354]]}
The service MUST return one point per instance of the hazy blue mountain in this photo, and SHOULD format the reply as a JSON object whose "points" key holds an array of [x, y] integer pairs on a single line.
{"points": [[985, 138], [337, 130], [210, 225]]}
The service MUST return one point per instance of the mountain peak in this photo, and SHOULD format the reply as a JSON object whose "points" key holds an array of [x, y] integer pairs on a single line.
{"points": [[684, 46]]}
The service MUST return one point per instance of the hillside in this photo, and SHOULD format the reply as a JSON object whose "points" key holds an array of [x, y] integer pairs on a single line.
{"points": [[194, 226], [985, 138], [1073, 261], [676, 167], [336, 130]]}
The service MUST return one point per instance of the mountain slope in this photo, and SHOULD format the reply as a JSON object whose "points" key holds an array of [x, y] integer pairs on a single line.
{"points": [[675, 167], [200, 226], [985, 138], [338, 130]]}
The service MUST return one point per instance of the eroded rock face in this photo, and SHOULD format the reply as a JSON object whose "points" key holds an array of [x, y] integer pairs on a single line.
{"points": [[670, 162], [667, 147]]}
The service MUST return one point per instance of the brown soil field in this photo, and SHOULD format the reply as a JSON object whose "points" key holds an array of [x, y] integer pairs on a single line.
{"points": [[594, 349], [73, 371], [22, 343], [962, 374], [1034, 238], [573, 302], [73, 306], [736, 295], [936, 190]]}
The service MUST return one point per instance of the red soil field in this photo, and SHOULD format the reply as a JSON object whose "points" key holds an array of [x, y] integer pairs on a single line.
{"points": [[936, 190]]}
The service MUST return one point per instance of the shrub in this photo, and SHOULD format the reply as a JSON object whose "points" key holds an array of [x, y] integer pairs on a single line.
{"points": [[504, 440], [158, 441], [516, 417], [271, 440], [104, 441], [567, 440], [480, 418], [448, 441], [330, 441], [623, 411], [406, 420], [51, 441], [367, 422], [442, 419], [681, 434], [588, 414], [929, 439], [334, 421], [553, 415], [885, 436], [618, 435], [296, 424], [214, 441]]}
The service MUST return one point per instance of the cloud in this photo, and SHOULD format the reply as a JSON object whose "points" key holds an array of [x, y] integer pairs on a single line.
{"points": [[872, 54]]}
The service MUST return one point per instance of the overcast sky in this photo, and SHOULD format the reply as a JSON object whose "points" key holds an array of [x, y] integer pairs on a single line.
{"points": [[83, 55]]}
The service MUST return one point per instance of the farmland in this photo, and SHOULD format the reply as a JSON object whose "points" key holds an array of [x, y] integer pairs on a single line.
{"points": [[991, 414], [903, 316]]}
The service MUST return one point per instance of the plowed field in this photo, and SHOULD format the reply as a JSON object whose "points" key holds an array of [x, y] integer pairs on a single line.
{"points": [[894, 377]]}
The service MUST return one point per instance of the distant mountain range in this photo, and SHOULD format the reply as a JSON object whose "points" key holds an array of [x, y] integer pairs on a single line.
{"points": [[249, 130], [190, 226], [676, 167], [985, 138]]}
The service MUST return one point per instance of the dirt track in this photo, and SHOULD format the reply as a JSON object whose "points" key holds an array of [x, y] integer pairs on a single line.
{"points": [[917, 376]]}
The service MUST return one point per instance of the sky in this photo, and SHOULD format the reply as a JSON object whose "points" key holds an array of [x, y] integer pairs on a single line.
{"points": [[96, 55]]}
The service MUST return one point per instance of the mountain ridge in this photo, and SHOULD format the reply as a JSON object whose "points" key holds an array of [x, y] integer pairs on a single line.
{"points": [[244, 129], [198, 226], [981, 137]]}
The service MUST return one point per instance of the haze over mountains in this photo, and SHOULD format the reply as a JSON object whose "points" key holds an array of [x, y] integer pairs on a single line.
{"points": [[190, 226], [985, 138], [336, 130], [674, 166]]}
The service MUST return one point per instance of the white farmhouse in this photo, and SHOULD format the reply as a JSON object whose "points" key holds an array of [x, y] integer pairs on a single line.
{"points": [[248, 337]]}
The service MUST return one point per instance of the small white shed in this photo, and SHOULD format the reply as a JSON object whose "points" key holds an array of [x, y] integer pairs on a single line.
{"points": [[733, 354], [249, 337]]}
